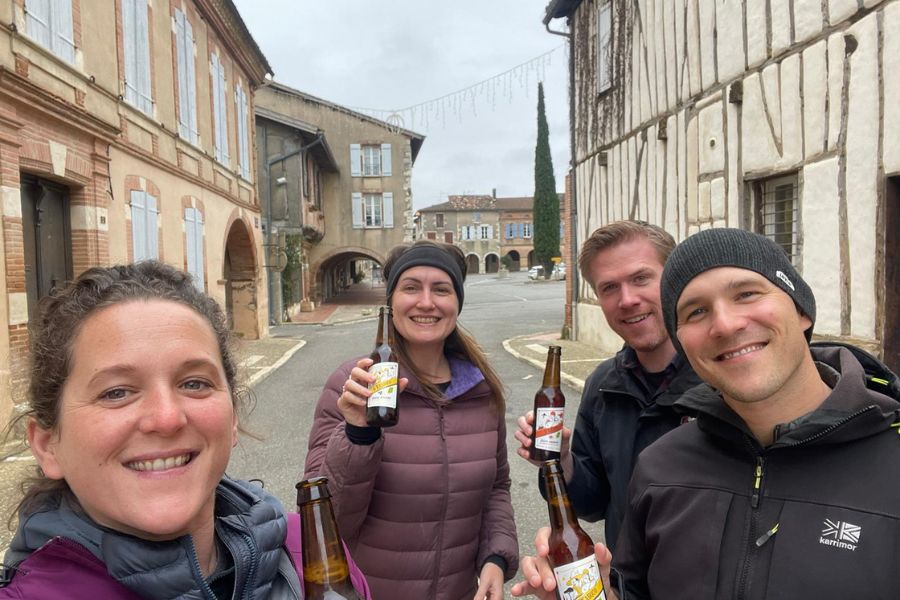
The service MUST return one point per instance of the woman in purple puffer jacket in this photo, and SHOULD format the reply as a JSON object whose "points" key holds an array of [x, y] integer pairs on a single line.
{"points": [[424, 505], [132, 416]]}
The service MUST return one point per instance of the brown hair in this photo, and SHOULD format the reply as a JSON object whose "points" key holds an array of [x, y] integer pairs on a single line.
{"points": [[619, 232], [61, 316], [459, 344]]}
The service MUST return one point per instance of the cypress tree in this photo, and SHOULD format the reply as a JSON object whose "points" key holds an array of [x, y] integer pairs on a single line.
{"points": [[546, 200]]}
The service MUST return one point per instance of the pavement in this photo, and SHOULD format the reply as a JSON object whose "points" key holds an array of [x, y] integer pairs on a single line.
{"points": [[257, 359]]}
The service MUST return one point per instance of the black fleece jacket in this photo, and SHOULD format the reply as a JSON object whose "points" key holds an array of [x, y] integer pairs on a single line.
{"points": [[713, 515]]}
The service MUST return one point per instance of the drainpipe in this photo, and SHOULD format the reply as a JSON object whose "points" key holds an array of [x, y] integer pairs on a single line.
{"points": [[320, 136], [573, 206]]}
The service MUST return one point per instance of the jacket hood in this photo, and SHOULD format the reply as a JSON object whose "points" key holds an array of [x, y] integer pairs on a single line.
{"points": [[160, 569], [850, 411], [464, 376]]}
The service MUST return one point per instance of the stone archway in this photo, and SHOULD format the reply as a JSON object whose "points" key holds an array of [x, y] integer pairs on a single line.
{"points": [[350, 275], [239, 273], [531, 262], [514, 264], [491, 263], [472, 264]]}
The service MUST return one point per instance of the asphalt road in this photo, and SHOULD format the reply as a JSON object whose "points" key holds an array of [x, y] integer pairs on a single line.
{"points": [[495, 309]]}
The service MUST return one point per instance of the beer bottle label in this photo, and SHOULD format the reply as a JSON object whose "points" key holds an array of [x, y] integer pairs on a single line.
{"points": [[549, 425], [384, 388], [580, 580]]}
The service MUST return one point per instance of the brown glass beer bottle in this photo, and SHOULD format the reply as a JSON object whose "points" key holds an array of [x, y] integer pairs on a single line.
{"points": [[571, 549], [549, 405], [326, 574], [381, 407]]}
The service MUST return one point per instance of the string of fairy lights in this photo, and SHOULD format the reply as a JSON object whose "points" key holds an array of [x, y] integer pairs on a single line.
{"points": [[460, 103]]}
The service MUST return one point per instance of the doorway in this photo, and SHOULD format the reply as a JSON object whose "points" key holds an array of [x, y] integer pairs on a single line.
{"points": [[46, 236], [891, 335]]}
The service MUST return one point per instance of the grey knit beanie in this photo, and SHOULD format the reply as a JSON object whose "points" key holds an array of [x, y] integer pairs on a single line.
{"points": [[724, 247]]}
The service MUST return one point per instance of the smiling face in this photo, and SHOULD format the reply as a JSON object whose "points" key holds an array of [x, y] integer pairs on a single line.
{"points": [[626, 280], [146, 421], [744, 336], [425, 306]]}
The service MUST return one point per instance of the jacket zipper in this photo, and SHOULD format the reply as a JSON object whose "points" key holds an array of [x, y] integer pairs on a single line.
{"points": [[198, 574], [749, 546], [440, 535]]}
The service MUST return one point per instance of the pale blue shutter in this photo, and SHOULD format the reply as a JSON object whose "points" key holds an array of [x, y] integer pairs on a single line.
{"points": [[143, 57], [223, 113], [356, 202], [37, 21], [129, 40], [63, 40], [240, 99], [490, 232], [190, 244], [152, 229], [138, 225], [198, 250], [387, 209], [386, 160], [355, 160], [191, 81], [184, 111]]}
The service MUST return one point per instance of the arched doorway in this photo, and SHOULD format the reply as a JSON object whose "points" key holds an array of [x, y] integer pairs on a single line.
{"points": [[239, 273], [350, 276], [472, 263], [531, 262], [491, 263], [514, 258]]}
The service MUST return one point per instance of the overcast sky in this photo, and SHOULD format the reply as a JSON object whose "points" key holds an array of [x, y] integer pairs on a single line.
{"points": [[404, 53]]}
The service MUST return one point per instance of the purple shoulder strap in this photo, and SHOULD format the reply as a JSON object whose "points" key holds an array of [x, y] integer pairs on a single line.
{"points": [[295, 549]]}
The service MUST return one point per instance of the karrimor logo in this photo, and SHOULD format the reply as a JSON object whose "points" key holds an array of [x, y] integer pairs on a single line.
{"points": [[780, 275], [840, 535]]}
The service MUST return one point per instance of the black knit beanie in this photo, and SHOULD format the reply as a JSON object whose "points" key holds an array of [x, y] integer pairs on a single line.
{"points": [[723, 247], [428, 256]]}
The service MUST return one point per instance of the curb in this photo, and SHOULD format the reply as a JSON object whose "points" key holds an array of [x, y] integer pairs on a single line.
{"points": [[575, 382], [265, 372]]}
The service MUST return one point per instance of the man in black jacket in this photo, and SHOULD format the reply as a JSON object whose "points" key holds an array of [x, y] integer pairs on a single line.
{"points": [[786, 485], [627, 401]]}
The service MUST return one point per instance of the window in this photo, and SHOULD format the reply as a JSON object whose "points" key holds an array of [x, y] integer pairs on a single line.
{"points": [[448, 237], [193, 229], [604, 46], [370, 160], [510, 231], [439, 220], [476, 217], [468, 232], [526, 229], [486, 232], [49, 23], [220, 113], [144, 233], [431, 235], [373, 211], [317, 195], [776, 212], [136, 39], [187, 79], [240, 101]]}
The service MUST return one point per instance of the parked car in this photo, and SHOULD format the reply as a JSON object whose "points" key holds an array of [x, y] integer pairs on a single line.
{"points": [[559, 271], [536, 272]]}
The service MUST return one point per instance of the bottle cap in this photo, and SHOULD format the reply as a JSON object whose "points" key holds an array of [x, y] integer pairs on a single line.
{"points": [[315, 488], [551, 467]]}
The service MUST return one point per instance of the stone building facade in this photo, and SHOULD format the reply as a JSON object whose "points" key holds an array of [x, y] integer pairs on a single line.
{"points": [[772, 116], [125, 134]]}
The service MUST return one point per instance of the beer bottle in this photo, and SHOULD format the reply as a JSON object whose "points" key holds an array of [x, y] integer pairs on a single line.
{"points": [[571, 549], [326, 574], [381, 407], [549, 405]]}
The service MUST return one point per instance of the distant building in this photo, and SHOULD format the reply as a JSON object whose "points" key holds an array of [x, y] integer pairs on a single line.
{"points": [[772, 116], [346, 196], [126, 133]]}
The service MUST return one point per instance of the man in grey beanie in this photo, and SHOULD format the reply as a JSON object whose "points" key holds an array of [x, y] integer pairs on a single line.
{"points": [[787, 483]]}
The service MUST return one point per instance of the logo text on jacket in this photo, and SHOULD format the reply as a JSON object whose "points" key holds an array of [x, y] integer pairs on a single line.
{"points": [[840, 535]]}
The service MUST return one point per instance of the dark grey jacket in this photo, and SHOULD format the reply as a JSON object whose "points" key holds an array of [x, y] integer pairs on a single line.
{"points": [[616, 420], [713, 515]]}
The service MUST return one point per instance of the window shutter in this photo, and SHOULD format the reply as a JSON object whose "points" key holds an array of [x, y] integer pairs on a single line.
{"points": [[138, 225], [240, 99], [152, 229], [355, 160], [198, 239], [387, 209], [223, 114], [356, 202], [184, 129], [386, 170], [490, 232], [128, 38], [190, 244], [191, 81], [145, 101], [193, 221], [63, 42], [37, 21]]}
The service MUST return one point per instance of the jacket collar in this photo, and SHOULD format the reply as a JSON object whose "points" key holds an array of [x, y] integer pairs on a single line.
{"points": [[850, 411], [464, 377]]}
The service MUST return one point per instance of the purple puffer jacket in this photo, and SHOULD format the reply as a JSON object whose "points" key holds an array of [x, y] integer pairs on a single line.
{"points": [[66, 569], [424, 506]]}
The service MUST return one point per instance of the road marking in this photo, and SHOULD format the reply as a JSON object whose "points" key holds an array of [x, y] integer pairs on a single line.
{"points": [[536, 348], [251, 360], [284, 358]]}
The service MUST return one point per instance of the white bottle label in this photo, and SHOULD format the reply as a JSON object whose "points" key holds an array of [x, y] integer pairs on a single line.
{"points": [[580, 580], [384, 388], [549, 424]]}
